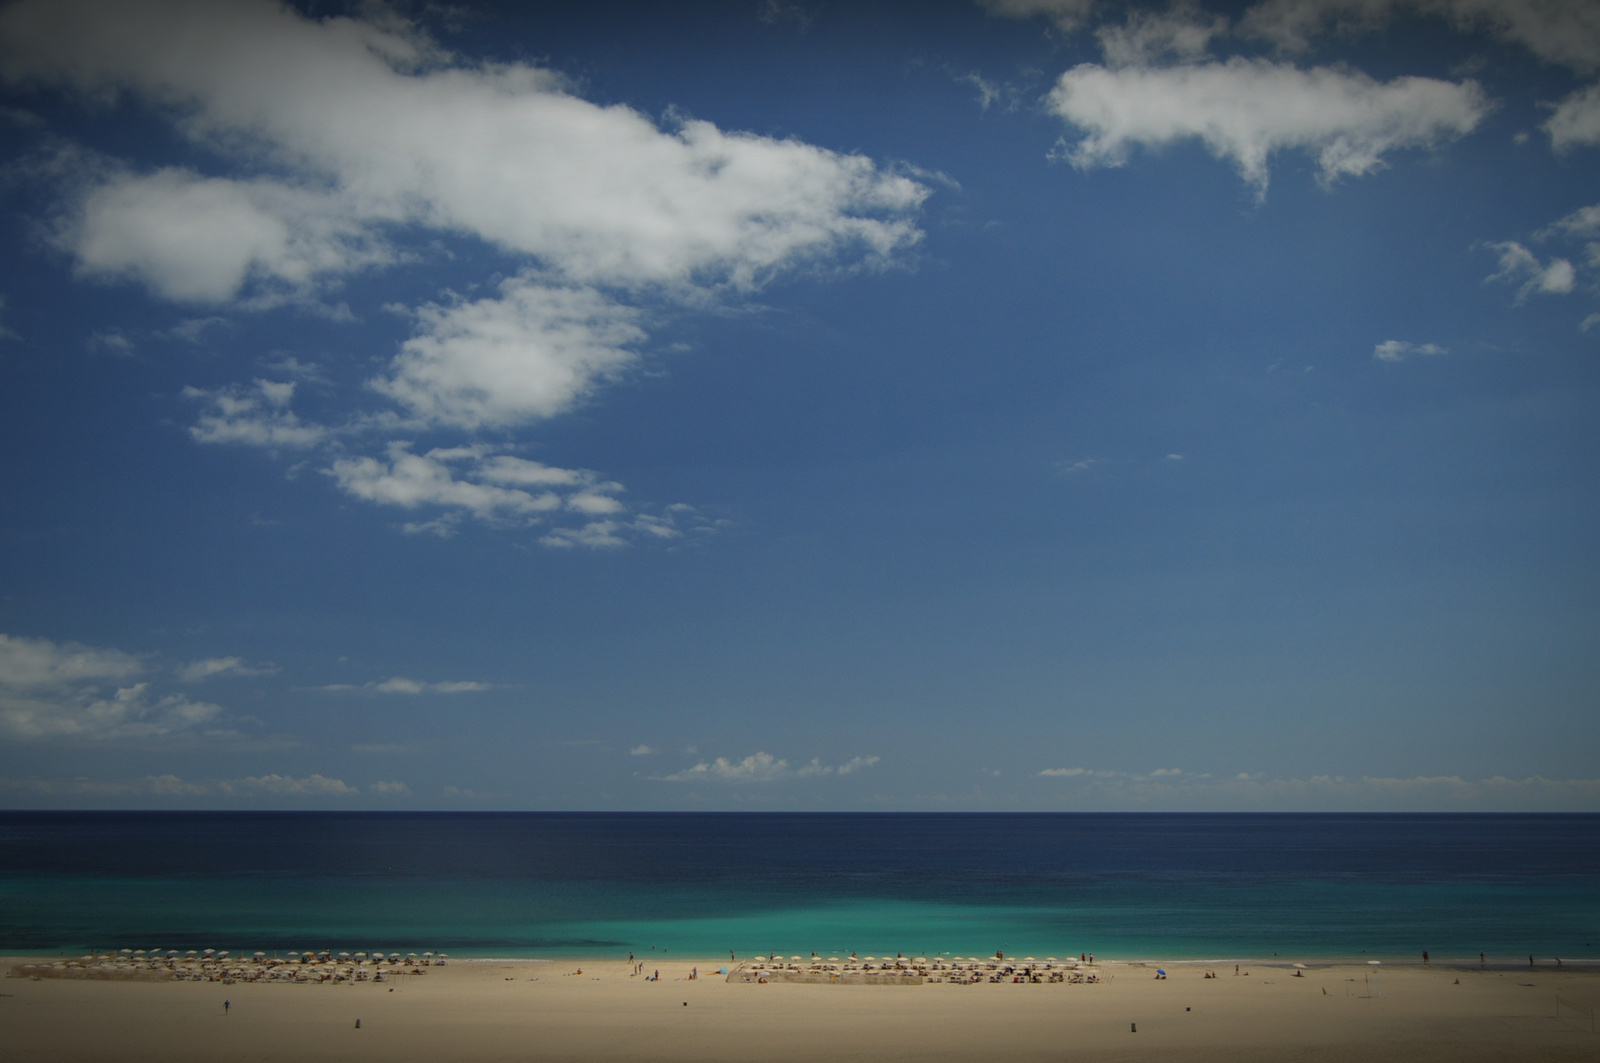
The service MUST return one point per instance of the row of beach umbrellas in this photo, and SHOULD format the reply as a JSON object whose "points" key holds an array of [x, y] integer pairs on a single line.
{"points": [[204, 955]]}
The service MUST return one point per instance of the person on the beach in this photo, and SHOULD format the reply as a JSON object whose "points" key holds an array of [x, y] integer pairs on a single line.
{"points": [[1424, 955], [226, 1004]]}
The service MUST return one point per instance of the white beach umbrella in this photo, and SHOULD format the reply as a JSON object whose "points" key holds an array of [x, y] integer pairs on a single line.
{"points": [[1301, 966]]}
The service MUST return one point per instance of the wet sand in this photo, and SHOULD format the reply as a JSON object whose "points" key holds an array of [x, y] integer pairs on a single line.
{"points": [[526, 1010]]}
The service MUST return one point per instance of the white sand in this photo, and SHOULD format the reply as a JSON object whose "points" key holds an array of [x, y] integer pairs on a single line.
{"points": [[516, 1010]]}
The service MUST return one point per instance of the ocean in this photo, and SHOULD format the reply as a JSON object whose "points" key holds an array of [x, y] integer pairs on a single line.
{"points": [[1122, 886]]}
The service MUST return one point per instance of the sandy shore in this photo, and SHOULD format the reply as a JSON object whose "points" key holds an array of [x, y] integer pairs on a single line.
{"points": [[520, 1010]]}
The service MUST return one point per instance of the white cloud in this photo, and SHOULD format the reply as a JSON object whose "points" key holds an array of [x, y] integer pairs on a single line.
{"points": [[988, 92], [258, 416], [195, 671], [53, 690], [34, 664], [1400, 350], [1183, 33], [373, 116], [476, 482], [530, 353], [365, 142], [641, 750], [1245, 110], [758, 767], [763, 767], [597, 534], [1558, 31], [196, 239], [1576, 120], [131, 713], [410, 480], [288, 786], [400, 684], [389, 789], [1518, 264], [1068, 15], [855, 764]]}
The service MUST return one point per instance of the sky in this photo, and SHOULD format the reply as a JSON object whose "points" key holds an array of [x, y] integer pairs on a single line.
{"points": [[991, 405]]}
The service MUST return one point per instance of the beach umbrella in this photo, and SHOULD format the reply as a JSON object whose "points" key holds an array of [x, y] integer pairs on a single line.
{"points": [[342, 955], [1301, 966], [833, 959], [127, 952], [138, 952]]}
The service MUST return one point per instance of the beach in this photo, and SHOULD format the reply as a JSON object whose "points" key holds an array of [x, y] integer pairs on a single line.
{"points": [[544, 1009]]}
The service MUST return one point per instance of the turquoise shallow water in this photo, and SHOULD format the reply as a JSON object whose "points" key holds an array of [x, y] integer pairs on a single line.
{"points": [[1121, 887]]}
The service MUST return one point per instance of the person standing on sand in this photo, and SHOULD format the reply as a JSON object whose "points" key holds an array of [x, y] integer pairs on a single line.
{"points": [[226, 1004], [1424, 955]]}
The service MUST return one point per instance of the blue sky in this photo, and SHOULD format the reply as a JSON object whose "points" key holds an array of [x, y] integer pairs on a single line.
{"points": [[1025, 404]]}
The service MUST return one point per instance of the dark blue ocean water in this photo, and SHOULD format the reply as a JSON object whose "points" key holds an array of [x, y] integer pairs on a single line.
{"points": [[531, 884]]}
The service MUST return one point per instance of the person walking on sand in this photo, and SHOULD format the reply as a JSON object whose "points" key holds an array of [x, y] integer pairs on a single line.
{"points": [[226, 1004], [1424, 956]]}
